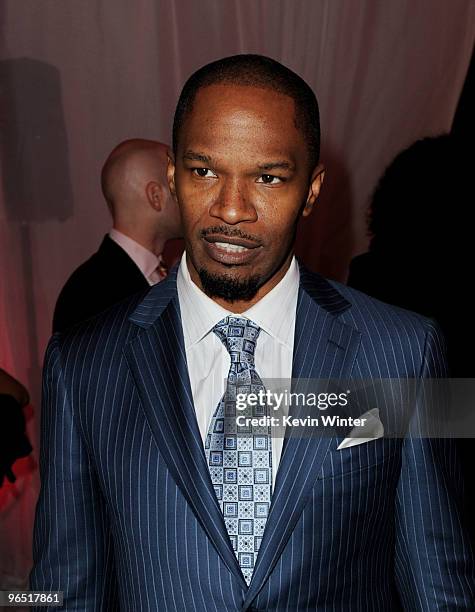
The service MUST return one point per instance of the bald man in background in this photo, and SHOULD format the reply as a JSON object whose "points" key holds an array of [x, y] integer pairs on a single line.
{"points": [[144, 218]]}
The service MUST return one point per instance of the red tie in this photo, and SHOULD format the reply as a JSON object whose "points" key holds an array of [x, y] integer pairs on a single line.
{"points": [[162, 269]]}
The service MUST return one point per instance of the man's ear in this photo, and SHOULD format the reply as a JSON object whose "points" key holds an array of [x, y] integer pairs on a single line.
{"points": [[171, 173], [155, 195], [316, 183]]}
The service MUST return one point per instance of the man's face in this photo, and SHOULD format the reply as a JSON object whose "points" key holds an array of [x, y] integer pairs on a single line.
{"points": [[242, 180]]}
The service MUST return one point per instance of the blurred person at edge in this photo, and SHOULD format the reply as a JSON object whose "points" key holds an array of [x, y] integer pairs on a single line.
{"points": [[14, 443]]}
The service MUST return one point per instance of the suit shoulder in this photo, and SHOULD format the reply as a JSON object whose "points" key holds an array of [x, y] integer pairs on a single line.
{"points": [[83, 274], [114, 326], [366, 312], [101, 269], [102, 334], [106, 278], [402, 342]]}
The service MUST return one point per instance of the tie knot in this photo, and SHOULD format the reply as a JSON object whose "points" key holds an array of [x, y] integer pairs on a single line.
{"points": [[239, 336]]}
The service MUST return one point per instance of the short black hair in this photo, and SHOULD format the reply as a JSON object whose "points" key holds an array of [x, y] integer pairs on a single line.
{"points": [[257, 71]]}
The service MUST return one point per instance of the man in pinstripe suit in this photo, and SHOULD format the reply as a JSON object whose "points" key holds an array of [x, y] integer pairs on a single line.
{"points": [[129, 515]]}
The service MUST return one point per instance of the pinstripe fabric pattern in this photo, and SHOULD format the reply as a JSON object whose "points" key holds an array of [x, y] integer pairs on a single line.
{"points": [[127, 517]]}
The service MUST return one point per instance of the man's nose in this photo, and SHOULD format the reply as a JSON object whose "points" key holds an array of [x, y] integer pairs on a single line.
{"points": [[233, 204]]}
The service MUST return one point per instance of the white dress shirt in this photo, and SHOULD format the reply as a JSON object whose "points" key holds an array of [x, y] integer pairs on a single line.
{"points": [[209, 361], [146, 261]]}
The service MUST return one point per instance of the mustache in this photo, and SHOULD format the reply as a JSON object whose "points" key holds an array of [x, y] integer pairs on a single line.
{"points": [[230, 232]]}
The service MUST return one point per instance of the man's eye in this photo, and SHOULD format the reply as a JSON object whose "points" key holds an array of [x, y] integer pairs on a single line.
{"points": [[269, 179], [203, 172]]}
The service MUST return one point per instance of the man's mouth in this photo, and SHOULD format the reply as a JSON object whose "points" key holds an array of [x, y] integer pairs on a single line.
{"points": [[231, 250]]}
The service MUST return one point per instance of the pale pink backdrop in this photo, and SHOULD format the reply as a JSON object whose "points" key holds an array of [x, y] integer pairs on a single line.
{"points": [[78, 76]]}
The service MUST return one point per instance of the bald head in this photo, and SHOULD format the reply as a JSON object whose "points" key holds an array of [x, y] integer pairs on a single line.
{"points": [[131, 164], [135, 188]]}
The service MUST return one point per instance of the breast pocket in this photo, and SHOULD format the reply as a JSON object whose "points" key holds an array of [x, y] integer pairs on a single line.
{"points": [[359, 457]]}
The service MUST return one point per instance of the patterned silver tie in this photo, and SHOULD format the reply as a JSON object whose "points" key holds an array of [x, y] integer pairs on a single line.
{"points": [[240, 457]]}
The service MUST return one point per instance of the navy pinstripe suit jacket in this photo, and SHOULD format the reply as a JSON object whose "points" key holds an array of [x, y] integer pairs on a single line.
{"points": [[127, 517]]}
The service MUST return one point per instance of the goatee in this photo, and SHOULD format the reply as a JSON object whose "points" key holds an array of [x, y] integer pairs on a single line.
{"points": [[228, 288]]}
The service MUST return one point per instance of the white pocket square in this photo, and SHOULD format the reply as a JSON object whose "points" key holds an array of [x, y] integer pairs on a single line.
{"points": [[372, 429]]}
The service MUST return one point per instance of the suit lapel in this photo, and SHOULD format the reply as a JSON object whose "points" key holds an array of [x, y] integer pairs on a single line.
{"points": [[324, 348], [158, 363]]}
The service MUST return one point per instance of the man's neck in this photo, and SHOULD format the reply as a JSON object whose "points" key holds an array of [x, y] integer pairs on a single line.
{"points": [[153, 243]]}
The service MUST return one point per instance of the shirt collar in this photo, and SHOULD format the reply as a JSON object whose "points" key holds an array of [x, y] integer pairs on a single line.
{"points": [[144, 259], [271, 313]]}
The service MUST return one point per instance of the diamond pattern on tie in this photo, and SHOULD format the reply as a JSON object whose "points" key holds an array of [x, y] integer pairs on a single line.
{"points": [[240, 457]]}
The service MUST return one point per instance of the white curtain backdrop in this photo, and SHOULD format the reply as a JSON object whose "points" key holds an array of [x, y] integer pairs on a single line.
{"points": [[78, 76]]}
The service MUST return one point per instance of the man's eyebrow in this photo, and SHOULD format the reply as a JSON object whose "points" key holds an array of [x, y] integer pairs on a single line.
{"points": [[194, 156], [282, 165]]}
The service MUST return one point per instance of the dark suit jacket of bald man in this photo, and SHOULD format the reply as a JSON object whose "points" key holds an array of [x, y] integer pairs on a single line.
{"points": [[108, 277]]}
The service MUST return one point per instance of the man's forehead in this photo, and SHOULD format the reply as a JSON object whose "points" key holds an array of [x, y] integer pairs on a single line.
{"points": [[236, 112], [243, 96]]}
